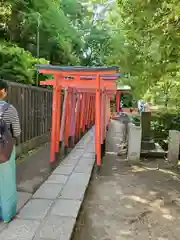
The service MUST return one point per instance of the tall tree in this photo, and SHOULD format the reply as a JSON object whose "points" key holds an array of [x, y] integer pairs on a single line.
{"points": [[146, 41]]}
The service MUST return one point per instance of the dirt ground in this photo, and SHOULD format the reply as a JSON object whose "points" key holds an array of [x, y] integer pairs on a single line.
{"points": [[130, 202]]}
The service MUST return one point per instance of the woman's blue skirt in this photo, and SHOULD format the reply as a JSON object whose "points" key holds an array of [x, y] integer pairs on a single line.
{"points": [[8, 192]]}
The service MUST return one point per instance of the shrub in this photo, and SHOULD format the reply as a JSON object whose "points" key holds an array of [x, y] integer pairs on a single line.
{"points": [[164, 121], [18, 65]]}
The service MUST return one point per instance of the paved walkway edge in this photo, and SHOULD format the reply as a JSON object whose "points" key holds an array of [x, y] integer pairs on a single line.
{"points": [[52, 211]]}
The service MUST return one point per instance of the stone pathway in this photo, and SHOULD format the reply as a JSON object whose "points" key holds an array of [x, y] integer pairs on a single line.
{"points": [[128, 201], [52, 211]]}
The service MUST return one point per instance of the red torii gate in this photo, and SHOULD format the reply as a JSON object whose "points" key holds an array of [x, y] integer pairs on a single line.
{"points": [[85, 88]]}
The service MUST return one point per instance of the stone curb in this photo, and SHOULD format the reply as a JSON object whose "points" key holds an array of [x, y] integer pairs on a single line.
{"points": [[52, 211]]}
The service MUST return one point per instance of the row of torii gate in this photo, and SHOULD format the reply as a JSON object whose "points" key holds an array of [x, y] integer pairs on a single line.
{"points": [[85, 102]]}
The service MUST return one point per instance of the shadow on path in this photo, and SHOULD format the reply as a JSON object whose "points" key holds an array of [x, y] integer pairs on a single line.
{"points": [[130, 202]]}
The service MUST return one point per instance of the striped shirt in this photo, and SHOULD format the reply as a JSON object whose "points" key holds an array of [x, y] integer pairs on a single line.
{"points": [[11, 118]]}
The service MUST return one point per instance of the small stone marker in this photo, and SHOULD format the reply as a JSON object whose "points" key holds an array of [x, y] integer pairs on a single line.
{"points": [[147, 140], [173, 147], [146, 125], [134, 143]]}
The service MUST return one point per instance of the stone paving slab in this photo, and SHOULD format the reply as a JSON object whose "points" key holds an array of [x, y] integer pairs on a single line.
{"points": [[20, 230], [35, 209], [72, 161], [55, 227], [79, 179], [57, 178], [66, 208], [52, 211], [83, 168], [86, 161], [74, 192], [69, 162], [48, 191], [63, 169], [88, 155]]}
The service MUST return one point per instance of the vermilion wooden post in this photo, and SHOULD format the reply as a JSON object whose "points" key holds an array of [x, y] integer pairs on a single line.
{"points": [[85, 110], [101, 116], [77, 117], [66, 133], [108, 111], [102, 123], [53, 125], [89, 113], [82, 112], [105, 114], [74, 123], [104, 127], [120, 100], [87, 107], [117, 101], [70, 117], [98, 121], [93, 111], [73, 114], [63, 117], [58, 117]]}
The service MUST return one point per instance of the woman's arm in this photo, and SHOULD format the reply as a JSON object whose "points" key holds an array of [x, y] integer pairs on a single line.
{"points": [[16, 128]]}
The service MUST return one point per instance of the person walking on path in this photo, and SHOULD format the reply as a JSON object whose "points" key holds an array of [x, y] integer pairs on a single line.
{"points": [[9, 131]]}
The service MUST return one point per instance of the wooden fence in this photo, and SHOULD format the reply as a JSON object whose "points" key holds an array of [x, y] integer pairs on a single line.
{"points": [[34, 106]]}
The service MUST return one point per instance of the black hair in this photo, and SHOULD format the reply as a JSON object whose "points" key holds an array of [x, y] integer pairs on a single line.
{"points": [[3, 85]]}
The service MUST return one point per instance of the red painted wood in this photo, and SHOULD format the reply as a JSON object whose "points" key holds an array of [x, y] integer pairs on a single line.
{"points": [[90, 106]]}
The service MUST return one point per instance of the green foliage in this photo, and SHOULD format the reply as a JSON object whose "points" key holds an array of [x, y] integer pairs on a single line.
{"points": [[46, 29], [48, 18], [146, 46], [142, 37], [96, 45], [164, 121], [17, 64]]}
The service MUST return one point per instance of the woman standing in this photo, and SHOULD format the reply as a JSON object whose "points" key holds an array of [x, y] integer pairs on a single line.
{"points": [[9, 132]]}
